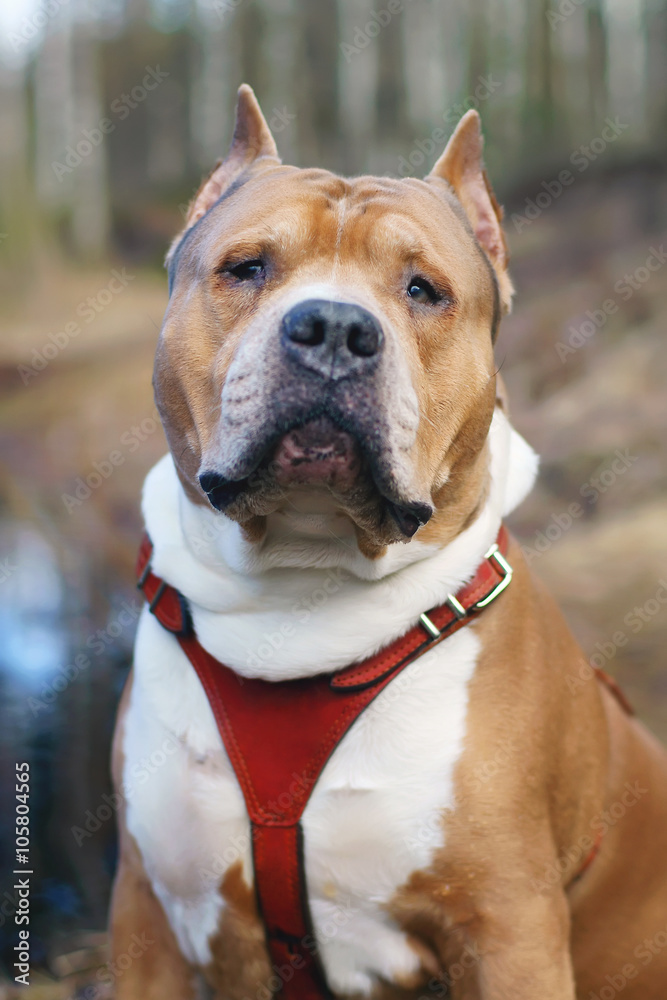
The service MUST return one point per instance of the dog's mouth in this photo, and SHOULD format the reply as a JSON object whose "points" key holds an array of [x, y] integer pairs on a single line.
{"points": [[319, 455]]}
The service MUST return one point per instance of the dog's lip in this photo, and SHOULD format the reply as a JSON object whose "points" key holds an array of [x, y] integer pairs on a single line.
{"points": [[222, 492], [319, 441], [317, 451]]}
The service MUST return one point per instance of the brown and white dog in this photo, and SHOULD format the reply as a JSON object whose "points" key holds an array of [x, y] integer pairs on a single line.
{"points": [[341, 460]]}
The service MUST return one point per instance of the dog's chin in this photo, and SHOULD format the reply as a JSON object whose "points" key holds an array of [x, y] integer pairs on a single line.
{"points": [[318, 456]]}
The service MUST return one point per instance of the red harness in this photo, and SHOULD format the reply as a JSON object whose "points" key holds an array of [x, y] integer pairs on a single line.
{"points": [[279, 737]]}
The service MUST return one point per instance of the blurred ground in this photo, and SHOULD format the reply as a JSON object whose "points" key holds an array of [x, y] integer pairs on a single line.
{"points": [[597, 416], [595, 408]]}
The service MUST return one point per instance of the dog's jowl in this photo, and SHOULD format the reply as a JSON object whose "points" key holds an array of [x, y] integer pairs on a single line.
{"points": [[382, 765]]}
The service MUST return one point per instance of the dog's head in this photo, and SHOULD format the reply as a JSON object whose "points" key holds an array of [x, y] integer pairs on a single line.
{"points": [[335, 337]]}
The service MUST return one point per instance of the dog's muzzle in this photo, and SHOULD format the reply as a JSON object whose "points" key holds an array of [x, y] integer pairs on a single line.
{"points": [[324, 402]]}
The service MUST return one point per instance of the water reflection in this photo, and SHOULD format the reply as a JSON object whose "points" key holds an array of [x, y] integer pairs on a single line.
{"points": [[31, 610], [63, 660]]}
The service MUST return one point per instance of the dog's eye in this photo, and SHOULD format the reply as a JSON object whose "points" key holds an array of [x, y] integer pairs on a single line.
{"points": [[420, 290], [247, 270]]}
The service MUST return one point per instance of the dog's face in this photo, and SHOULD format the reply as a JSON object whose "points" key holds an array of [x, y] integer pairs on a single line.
{"points": [[334, 337]]}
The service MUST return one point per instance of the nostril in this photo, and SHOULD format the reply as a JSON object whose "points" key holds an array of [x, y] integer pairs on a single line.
{"points": [[311, 332], [331, 338], [318, 333], [363, 341], [220, 491], [210, 481]]}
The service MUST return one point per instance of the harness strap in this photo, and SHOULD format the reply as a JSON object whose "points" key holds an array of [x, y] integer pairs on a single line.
{"points": [[280, 735]]}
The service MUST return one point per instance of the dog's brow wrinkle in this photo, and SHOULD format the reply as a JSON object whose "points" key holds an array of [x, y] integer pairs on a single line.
{"points": [[391, 236], [342, 207]]}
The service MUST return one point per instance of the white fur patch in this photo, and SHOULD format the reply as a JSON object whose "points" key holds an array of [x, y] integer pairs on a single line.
{"points": [[260, 619], [375, 814]]}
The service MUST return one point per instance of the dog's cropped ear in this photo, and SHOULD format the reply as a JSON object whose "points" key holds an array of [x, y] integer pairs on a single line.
{"points": [[251, 141], [462, 166]]}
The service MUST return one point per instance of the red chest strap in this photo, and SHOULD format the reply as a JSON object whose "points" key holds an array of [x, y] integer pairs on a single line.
{"points": [[280, 735]]}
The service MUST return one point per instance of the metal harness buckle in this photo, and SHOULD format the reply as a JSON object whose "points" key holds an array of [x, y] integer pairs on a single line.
{"points": [[499, 559], [504, 567]]}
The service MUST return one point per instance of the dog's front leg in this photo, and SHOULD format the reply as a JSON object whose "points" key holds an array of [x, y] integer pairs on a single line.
{"points": [[518, 949], [146, 963]]}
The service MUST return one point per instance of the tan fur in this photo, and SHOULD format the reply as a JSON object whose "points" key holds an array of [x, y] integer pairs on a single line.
{"points": [[462, 167], [159, 971], [496, 915], [190, 370], [487, 896], [252, 140]]}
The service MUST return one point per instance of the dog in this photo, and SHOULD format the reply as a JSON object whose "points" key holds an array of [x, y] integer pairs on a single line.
{"points": [[487, 820]]}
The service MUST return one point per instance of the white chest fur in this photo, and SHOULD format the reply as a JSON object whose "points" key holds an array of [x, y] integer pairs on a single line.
{"points": [[375, 814], [373, 817]]}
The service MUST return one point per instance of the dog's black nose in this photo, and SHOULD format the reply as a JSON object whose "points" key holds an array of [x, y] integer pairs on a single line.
{"points": [[334, 339]]}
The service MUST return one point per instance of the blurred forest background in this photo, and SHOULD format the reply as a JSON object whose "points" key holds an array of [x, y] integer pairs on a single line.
{"points": [[110, 114]]}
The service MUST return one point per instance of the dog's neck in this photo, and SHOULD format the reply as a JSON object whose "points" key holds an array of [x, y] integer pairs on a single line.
{"points": [[239, 590]]}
